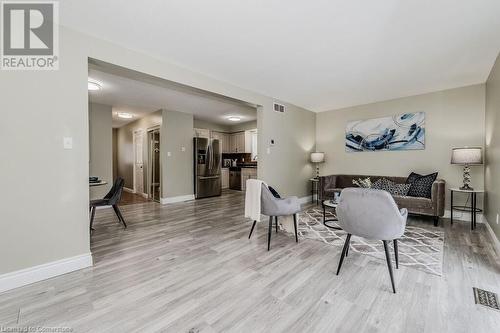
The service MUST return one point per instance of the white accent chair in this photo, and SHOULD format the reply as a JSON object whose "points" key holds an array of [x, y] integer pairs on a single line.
{"points": [[371, 214]]}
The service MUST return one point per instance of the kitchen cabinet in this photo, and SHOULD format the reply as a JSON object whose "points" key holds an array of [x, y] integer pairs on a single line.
{"points": [[251, 143], [225, 178], [224, 139], [237, 142], [201, 133], [247, 173]]}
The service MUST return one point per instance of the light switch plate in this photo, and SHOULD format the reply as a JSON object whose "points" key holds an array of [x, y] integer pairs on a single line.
{"points": [[268, 151], [183, 148], [68, 143], [169, 154]]}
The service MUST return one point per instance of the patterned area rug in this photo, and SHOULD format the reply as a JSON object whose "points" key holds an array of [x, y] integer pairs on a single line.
{"points": [[419, 248]]}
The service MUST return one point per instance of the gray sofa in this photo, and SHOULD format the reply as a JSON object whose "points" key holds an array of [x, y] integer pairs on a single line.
{"points": [[434, 206]]}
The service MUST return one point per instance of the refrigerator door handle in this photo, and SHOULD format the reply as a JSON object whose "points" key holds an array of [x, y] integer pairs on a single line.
{"points": [[209, 177]]}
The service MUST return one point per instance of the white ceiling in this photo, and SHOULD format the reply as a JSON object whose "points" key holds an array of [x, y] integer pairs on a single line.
{"points": [[139, 98], [322, 54]]}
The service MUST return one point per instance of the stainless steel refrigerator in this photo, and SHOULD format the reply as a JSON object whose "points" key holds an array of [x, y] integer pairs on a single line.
{"points": [[207, 169]]}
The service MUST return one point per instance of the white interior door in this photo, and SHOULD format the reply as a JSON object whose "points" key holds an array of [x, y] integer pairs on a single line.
{"points": [[138, 162]]}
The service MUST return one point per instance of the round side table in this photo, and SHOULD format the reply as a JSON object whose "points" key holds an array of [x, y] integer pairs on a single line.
{"points": [[332, 205]]}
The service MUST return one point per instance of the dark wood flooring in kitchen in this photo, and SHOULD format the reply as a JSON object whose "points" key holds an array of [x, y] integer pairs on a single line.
{"points": [[132, 198], [190, 267]]}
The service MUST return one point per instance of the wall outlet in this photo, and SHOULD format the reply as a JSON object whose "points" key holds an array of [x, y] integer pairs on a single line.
{"points": [[497, 218], [169, 154], [183, 148], [268, 151], [68, 143]]}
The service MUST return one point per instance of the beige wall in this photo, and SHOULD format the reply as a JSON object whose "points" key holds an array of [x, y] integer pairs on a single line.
{"points": [[45, 198], [243, 126], [177, 139], [56, 225], [125, 154], [492, 170], [286, 165], [454, 118], [101, 147], [225, 128], [197, 123]]}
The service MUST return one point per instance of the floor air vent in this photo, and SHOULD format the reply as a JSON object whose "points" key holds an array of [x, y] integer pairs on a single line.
{"points": [[486, 298]]}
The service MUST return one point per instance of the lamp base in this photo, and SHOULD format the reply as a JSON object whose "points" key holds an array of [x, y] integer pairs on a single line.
{"points": [[466, 187], [466, 179]]}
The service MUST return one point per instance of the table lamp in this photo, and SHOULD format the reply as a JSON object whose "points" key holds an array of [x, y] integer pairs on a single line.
{"points": [[467, 156], [317, 158]]}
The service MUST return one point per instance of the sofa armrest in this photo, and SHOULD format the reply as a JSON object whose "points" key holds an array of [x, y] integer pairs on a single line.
{"points": [[438, 196], [326, 182]]}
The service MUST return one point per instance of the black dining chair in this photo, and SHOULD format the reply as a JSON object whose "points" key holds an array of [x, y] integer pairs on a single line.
{"points": [[111, 199]]}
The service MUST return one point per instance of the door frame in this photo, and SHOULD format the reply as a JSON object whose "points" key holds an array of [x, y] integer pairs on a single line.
{"points": [[134, 189], [150, 164]]}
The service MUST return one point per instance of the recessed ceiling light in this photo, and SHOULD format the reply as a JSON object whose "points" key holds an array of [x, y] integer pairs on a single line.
{"points": [[94, 85], [234, 118], [124, 115]]}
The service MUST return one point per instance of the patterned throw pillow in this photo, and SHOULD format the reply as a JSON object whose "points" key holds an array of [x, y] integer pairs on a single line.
{"points": [[391, 187], [421, 186], [400, 189], [412, 177], [364, 183]]}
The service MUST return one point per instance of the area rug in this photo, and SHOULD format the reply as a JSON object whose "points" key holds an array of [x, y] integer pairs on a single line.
{"points": [[420, 247]]}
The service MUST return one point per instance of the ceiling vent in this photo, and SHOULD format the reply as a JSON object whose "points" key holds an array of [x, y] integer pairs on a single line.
{"points": [[279, 107]]}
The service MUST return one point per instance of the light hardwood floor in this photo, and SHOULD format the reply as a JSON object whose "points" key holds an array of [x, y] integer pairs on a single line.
{"points": [[189, 267]]}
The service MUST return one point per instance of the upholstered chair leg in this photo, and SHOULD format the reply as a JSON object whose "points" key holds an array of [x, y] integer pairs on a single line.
{"points": [[295, 227], [251, 230], [269, 233], [120, 216], [396, 254], [389, 265], [276, 220], [346, 245], [92, 215], [436, 221]]}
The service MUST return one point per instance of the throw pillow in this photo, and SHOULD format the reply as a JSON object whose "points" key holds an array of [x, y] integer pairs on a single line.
{"points": [[400, 189], [364, 183], [274, 192], [412, 177], [391, 187], [422, 186], [382, 184]]}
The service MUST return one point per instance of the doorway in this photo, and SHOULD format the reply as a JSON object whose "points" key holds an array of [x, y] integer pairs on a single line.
{"points": [[154, 179]]}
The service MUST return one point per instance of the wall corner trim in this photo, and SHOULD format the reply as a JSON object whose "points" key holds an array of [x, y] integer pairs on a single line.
{"points": [[494, 238], [45, 271], [180, 198]]}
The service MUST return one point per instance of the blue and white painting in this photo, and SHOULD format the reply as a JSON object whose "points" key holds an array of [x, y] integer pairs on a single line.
{"points": [[400, 132]]}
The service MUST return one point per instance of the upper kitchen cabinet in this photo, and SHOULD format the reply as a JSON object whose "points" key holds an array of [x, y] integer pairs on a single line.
{"points": [[201, 133], [251, 143], [237, 141]]}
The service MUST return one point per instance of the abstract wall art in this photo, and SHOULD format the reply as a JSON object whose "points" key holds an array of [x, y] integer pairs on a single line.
{"points": [[399, 132]]}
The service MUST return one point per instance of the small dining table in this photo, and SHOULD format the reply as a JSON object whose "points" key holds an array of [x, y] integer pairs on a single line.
{"points": [[99, 183]]}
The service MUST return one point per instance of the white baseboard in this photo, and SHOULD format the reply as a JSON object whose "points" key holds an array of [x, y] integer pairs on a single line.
{"points": [[180, 198], [129, 190], [144, 195], [42, 272], [464, 216], [305, 200]]}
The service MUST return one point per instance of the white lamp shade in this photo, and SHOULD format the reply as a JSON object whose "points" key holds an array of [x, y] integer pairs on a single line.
{"points": [[317, 157], [467, 155]]}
